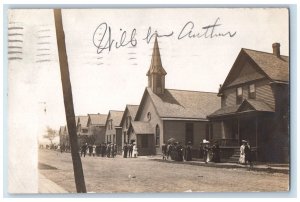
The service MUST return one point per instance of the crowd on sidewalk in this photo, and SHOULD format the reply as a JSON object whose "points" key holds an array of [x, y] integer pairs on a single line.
{"points": [[209, 153], [109, 150], [170, 151]]}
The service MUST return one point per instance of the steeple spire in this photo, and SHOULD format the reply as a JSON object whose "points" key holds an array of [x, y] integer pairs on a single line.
{"points": [[156, 73], [156, 66]]}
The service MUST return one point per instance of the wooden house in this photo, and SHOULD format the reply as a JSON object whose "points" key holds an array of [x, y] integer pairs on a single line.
{"points": [[96, 128], [82, 129], [113, 131], [63, 136], [128, 116], [255, 105]]}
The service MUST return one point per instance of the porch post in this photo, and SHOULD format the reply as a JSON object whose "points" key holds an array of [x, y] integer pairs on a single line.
{"points": [[256, 138], [238, 130]]}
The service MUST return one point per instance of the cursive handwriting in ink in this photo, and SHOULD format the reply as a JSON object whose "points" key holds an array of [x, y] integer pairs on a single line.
{"points": [[208, 31], [150, 35], [102, 38]]}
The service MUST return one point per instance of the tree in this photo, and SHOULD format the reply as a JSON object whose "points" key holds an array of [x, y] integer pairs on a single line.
{"points": [[51, 134]]}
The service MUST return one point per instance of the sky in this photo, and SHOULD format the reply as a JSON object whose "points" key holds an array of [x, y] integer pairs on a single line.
{"points": [[104, 79]]}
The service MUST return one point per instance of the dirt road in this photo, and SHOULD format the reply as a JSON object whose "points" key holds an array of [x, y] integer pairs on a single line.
{"points": [[119, 175]]}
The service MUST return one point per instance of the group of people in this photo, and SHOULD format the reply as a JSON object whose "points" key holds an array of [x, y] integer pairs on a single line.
{"points": [[175, 151], [104, 150], [210, 153], [245, 153], [129, 150]]}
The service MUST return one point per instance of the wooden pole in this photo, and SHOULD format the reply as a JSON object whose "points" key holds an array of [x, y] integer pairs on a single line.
{"points": [[68, 101]]}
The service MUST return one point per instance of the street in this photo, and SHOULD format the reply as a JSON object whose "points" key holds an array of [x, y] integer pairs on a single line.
{"points": [[145, 174]]}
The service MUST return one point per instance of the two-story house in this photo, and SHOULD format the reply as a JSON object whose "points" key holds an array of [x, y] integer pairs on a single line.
{"points": [[82, 130], [96, 128], [63, 136], [113, 133], [169, 113], [128, 116], [255, 105]]}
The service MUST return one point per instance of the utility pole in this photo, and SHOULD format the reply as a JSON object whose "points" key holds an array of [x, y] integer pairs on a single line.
{"points": [[68, 101]]}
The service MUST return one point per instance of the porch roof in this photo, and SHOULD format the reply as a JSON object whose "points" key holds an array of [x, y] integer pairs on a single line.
{"points": [[246, 106], [141, 127]]}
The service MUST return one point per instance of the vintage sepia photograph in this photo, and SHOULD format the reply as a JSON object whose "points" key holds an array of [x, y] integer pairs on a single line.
{"points": [[148, 100]]}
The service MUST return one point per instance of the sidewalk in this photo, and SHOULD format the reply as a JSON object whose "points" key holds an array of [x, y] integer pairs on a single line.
{"points": [[47, 186], [265, 167]]}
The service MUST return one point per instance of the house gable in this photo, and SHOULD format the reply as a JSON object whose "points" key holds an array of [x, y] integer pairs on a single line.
{"points": [[246, 74], [243, 70]]}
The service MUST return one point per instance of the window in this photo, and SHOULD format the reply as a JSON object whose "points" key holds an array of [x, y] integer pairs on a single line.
{"points": [[239, 95], [251, 93], [189, 133], [114, 139], [157, 135], [128, 120], [124, 137], [110, 124], [149, 116]]}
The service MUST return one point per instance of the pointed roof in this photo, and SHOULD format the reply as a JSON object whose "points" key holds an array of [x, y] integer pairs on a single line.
{"points": [[132, 109], [156, 66], [116, 116], [141, 127], [246, 106], [266, 64], [83, 120], [256, 105], [182, 104], [97, 119]]}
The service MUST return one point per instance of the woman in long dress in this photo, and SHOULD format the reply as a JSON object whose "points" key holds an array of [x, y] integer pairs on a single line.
{"points": [[242, 153]]}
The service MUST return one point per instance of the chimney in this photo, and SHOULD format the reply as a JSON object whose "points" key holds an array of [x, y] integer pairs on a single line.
{"points": [[276, 49]]}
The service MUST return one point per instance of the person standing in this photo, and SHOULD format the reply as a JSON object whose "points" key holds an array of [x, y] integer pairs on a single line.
{"points": [[108, 150], [201, 150], [188, 151], [248, 156], [130, 149], [90, 148], [179, 152], [135, 152], [125, 149], [242, 159], [164, 150], [115, 150], [216, 153], [112, 150], [83, 149], [205, 150], [94, 150], [168, 150]]}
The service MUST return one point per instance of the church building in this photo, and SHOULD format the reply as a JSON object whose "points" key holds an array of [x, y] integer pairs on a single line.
{"points": [[170, 113]]}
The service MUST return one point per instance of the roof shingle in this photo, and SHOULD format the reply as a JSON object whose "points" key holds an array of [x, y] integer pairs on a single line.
{"points": [[276, 68], [116, 116], [98, 119], [141, 127], [185, 104]]}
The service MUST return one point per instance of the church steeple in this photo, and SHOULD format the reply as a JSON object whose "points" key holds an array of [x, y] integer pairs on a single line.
{"points": [[156, 73]]}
